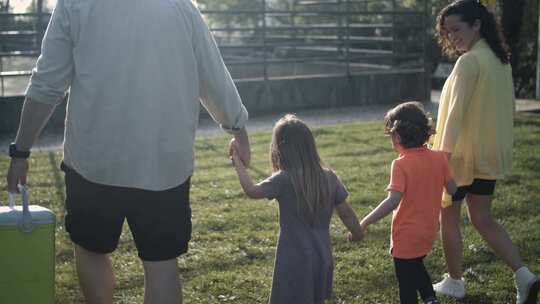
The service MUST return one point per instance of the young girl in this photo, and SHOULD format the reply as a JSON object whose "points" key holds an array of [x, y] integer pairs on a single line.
{"points": [[474, 127], [414, 194], [307, 193]]}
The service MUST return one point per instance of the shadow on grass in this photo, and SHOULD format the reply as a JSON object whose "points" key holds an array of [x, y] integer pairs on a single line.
{"points": [[474, 299]]}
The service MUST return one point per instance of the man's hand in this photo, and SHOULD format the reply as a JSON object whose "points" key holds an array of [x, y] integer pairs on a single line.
{"points": [[33, 118], [240, 142], [17, 172]]}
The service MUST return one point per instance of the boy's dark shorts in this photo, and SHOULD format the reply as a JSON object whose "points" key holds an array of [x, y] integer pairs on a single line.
{"points": [[160, 221], [478, 187]]}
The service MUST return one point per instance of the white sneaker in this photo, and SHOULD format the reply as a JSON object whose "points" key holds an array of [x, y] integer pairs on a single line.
{"points": [[527, 286], [450, 287]]}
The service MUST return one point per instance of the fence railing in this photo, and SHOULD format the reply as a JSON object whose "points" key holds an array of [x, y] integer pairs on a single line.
{"points": [[309, 37]]}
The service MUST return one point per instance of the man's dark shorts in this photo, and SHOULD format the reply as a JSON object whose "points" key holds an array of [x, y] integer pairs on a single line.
{"points": [[160, 221], [478, 187]]}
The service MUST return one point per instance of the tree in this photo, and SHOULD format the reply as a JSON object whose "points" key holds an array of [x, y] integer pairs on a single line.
{"points": [[519, 20], [511, 22]]}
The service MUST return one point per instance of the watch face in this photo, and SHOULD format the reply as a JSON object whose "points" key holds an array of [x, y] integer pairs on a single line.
{"points": [[14, 153]]}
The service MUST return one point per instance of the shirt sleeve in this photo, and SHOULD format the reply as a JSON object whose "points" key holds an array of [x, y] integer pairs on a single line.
{"points": [[467, 71], [218, 92], [398, 179], [272, 185], [53, 73], [341, 192]]}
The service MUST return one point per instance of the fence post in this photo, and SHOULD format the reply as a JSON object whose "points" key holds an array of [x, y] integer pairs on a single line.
{"points": [[339, 16], [39, 28], [427, 64], [394, 34], [266, 87], [1, 77], [265, 68], [538, 58], [294, 31], [348, 41]]}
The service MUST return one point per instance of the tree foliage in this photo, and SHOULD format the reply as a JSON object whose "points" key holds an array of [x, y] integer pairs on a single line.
{"points": [[519, 20]]}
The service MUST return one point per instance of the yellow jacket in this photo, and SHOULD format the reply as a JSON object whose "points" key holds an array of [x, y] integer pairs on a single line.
{"points": [[475, 119]]}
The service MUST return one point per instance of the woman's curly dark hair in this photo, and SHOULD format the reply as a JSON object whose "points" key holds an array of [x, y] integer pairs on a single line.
{"points": [[411, 123], [470, 11]]}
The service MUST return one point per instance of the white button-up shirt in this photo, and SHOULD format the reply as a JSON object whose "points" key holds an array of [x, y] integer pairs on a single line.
{"points": [[136, 71]]}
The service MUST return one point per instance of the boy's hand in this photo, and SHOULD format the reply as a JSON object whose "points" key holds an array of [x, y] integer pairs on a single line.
{"points": [[364, 226]]}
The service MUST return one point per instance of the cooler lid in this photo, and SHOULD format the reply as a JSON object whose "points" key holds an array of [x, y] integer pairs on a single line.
{"points": [[12, 216]]}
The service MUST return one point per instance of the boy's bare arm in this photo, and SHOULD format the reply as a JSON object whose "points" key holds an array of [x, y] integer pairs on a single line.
{"points": [[451, 187], [385, 207]]}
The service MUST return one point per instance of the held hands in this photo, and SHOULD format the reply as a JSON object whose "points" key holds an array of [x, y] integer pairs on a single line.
{"points": [[236, 157], [236, 160], [354, 238], [360, 236], [17, 173], [240, 143]]}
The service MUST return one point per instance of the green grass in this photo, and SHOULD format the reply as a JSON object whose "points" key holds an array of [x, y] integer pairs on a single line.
{"points": [[232, 251]]}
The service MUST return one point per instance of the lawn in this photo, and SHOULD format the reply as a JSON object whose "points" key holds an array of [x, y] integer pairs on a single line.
{"points": [[232, 251]]}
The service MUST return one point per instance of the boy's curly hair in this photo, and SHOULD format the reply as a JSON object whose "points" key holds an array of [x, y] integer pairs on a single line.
{"points": [[410, 122]]}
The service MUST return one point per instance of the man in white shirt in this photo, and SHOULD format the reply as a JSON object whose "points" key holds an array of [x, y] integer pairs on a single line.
{"points": [[137, 72]]}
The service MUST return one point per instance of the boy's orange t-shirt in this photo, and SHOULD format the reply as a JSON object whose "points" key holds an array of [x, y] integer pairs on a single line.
{"points": [[420, 174]]}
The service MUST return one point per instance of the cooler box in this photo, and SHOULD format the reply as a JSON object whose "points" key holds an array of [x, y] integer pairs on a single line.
{"points": [[26, 253]]}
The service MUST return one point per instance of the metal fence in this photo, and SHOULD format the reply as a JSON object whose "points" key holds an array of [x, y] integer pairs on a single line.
{"points": [[269, 39]]}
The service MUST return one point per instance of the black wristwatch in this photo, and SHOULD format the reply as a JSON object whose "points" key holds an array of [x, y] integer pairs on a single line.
{"points": [[14, 153]]}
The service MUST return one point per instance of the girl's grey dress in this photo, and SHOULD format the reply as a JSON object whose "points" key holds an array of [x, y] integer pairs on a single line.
{"points": [[304, 264]]}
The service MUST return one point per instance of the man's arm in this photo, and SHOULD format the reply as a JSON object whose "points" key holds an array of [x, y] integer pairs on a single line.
{"points": [[33, 118], [49, 82], [218, 92]]}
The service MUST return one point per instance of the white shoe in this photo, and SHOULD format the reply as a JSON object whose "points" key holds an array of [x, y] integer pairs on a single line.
{"points": [[527, 286], [450, 287]]}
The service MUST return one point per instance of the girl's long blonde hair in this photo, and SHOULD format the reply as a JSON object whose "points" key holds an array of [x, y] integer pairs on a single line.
{"points": [[293, 150]]}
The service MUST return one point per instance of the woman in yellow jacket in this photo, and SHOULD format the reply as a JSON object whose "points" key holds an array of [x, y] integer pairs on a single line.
{"points": [[474, 127]]}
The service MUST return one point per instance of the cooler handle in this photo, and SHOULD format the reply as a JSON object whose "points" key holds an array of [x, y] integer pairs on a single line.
{"points": [[25, 224]]}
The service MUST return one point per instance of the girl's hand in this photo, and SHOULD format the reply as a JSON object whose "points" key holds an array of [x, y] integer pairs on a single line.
{"points": [[352, 238], [236, 161], [240, 142]]}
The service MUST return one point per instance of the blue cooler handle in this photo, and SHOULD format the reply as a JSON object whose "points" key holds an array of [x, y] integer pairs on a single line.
{"points": [[25, 224]]}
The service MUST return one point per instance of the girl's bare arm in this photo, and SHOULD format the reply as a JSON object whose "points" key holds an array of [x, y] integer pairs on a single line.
{"points": [[251, 190], [350, 220]]}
